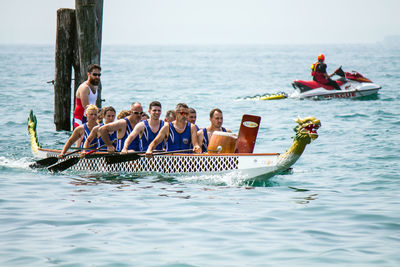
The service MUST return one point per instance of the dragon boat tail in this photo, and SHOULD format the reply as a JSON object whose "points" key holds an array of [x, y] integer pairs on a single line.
{"points": [[253, 167]]}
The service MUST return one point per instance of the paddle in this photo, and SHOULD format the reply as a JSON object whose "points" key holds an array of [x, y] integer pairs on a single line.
{"points": [[118, 158], [63, 165], [42, 163], [247, 134]]}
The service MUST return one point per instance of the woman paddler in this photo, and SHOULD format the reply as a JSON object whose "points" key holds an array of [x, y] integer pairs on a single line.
{"points": [[109, 117], [83, 131]]}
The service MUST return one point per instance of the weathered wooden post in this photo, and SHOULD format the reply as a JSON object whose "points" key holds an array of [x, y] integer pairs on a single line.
{"points": [[89, 20], [78, 44], [66, 31]]}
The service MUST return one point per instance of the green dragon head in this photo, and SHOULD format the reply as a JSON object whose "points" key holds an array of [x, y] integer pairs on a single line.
{"points": [[306, 130]]}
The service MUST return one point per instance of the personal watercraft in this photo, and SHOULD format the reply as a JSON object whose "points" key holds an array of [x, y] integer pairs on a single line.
{"points": [[352, 84]]}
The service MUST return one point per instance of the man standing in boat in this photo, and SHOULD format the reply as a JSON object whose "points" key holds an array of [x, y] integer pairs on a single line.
{"points": [[204, 135], [123, 127], [147, 130], [178, 135], [86, 94]]}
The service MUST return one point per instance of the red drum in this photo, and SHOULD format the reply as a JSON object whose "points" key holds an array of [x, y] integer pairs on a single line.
{"points": [[222, 142]]}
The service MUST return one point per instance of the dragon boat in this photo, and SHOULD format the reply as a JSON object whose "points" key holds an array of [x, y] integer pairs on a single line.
{"points": [[249, 166]]}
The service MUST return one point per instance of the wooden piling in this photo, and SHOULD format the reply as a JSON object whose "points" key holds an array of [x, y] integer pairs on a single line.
{"points": [[89, 20], [66, 31], [78, 44]]}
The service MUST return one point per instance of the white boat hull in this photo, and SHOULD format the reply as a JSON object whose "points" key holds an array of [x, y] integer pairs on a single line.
{"points": [[349, 90], [248, 165]]}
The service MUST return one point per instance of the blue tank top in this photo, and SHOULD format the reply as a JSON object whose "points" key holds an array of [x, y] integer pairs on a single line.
{"points": [[204, 147], [112, 137], [148, 136], [135, 143], [86, 135], [177, 141]]}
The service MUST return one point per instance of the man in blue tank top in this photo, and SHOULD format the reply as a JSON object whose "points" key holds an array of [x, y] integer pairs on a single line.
{"points": [[204, 135], [147, 130], [123, 127], [178, 135], [192, 117]]}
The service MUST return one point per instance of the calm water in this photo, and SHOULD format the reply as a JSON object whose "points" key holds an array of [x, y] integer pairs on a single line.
{"points": [[340, 206]]}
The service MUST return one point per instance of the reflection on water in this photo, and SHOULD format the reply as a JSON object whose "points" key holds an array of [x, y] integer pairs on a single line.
{"points": [[110, 178], [127, 179]]}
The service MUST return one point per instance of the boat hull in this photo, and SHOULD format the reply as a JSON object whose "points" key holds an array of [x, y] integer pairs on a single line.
{"points": [[247, 164]]}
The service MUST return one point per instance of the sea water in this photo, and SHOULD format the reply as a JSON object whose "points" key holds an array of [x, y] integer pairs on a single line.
{"points": [[339, 206]]}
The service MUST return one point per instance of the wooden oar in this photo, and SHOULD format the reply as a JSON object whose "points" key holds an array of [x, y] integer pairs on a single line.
{"points": [[247, 134], [63, 165], [52, 160], [118, 158]]}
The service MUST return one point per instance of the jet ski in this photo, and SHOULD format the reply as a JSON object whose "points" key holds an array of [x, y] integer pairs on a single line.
{"points": [[353, 85]]}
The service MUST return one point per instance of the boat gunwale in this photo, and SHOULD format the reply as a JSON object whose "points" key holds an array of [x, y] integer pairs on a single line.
{"points": [[178, 154]]}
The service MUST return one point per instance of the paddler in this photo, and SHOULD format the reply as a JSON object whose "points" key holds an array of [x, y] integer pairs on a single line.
{"points": [[192, 117], [204, 135], [86, 94], [178, 135], [123, 127], [83, 131], [147, 129], [108, 113]]}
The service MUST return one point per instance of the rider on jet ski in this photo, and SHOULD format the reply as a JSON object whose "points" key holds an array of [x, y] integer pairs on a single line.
{"points": [[320, 75]]}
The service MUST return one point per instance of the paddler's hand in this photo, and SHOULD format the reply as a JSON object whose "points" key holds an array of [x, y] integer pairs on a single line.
{"points": [[124, 150], [149, 154], [197, 149], [61, 156], [82, 154], [110, 148]]}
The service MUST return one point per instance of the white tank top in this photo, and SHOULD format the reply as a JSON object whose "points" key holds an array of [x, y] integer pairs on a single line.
{"points": [[92, 97]]}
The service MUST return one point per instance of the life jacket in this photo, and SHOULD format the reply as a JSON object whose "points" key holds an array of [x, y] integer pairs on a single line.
{"points": [[318, 76], [314, 68]]}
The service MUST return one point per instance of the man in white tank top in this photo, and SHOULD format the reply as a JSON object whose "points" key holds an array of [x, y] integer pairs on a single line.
{"points": [[86, 94]]}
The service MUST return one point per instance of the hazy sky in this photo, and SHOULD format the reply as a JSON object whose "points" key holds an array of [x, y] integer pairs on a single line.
{"points": [[212, 21]]}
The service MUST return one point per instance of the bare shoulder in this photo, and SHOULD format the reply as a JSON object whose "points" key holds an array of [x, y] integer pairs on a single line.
{"points": [[83, 88], [79, 130], [140, 125], [165, 128]]}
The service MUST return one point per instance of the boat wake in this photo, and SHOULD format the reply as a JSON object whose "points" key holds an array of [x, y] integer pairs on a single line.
{"points": [[11, 163]]}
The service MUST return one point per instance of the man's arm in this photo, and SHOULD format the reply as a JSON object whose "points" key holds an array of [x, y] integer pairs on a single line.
{"points": [[111, 127], [77, 133], [139, 128], [195, 141], [84, 94], [200, 137], [159, 138], [92, 135]]}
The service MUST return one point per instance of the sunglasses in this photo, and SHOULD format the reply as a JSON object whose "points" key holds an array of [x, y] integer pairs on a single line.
{"points": [[137, 112], [96, 74], [183, 113]]}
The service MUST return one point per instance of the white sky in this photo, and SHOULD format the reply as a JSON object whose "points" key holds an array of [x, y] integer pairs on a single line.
{"points": [[212, 21]]}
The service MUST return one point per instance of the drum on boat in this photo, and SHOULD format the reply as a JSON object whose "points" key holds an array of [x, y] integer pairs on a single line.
{"points": [[222, 142]]}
